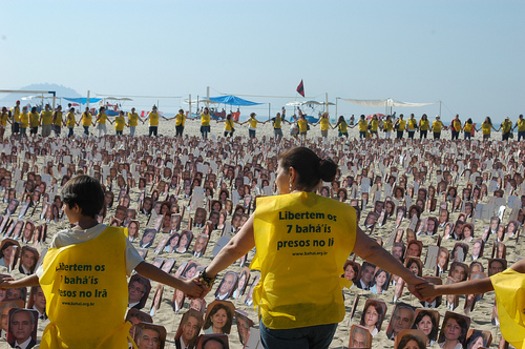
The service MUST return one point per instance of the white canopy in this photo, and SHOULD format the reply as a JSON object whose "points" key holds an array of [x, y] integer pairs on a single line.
{"points": [[384, 103]]}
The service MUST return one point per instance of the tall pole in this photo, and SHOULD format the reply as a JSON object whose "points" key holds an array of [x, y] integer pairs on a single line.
{"points": [[87, 101], [326, 103], [190, 107], [208, 96], [269, 111], [440, 108], [336, 107]]}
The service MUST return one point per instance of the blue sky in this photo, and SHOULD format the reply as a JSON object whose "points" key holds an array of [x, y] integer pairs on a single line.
{"points": [[468, 54]]}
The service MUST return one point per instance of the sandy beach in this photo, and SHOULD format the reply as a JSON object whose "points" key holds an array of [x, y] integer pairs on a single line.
{"points": [[378, 157]]}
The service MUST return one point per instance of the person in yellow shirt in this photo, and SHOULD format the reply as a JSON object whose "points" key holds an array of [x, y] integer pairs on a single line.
{"points": [[342, 127], [153, 117], [520, 124], [133, 121], [455, 127], [400, 126], [508, 285], [205, 123], [324, 122], [506, 129], [486, 128], [101, 120], [424, 126], [119, 123], [303, 126], [70, 122], [373, 126], [229, 126], [180, 121], [34, 122], [252, 121], [362, 126], [46, 121], [468, 129], [277, 123], [5, 117], [87, 121], [437, 127], [388, 126], [15, 114], [411, 126], [297, 311], [97, 252], [24, 121], [57, 121]]}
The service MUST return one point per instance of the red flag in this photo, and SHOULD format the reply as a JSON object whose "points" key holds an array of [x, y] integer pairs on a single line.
{"points": [[300, 88]]}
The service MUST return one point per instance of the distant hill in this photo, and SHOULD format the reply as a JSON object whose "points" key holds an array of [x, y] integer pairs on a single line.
{"points": [[61, 91]]}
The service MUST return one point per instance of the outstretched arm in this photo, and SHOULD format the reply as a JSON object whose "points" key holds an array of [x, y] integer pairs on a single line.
{"points": [[150, 271], [466, 287], [6, 281], [238, 246], [371, 251]]}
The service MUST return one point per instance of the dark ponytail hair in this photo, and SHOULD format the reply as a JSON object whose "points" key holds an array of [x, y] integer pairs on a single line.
{"points": [[310, 168]]}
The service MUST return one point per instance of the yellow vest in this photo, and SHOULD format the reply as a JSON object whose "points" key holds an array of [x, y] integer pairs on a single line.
{"points": [[521, 125], [456, 124], [343, 127], [374, 125], [302, 242], [86, 119], [58, 118], [16, 114], [412, 123], [362, 125], [402, 124], [70, 119], [388, 125], [102, 117], [485, 128], [437, 126], [119, 122], [153, 118], [509, 286], [324, 124], [24, 120], [277, 123], [180, 119], [303, 125], [133, 119], [205, 119], [3, 119], [506, 126], [228, 125], [86, 293], [47, 117], [34, 119], [424, 125], [253, 123]]}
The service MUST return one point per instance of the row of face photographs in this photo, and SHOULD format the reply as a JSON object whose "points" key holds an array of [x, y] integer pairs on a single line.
{"points": [[49, 211], [233, 285], [368, 277], [27, 232], [171, 224], [439, 256], [13, 256], [459, 230], [416, 328], [216, 324]]}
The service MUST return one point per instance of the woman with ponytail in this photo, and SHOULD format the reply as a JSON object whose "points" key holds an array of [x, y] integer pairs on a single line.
{"points": [[302, 241]]}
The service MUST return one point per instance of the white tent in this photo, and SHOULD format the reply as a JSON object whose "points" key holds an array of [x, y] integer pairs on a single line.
{"points": [[388, 103]]}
